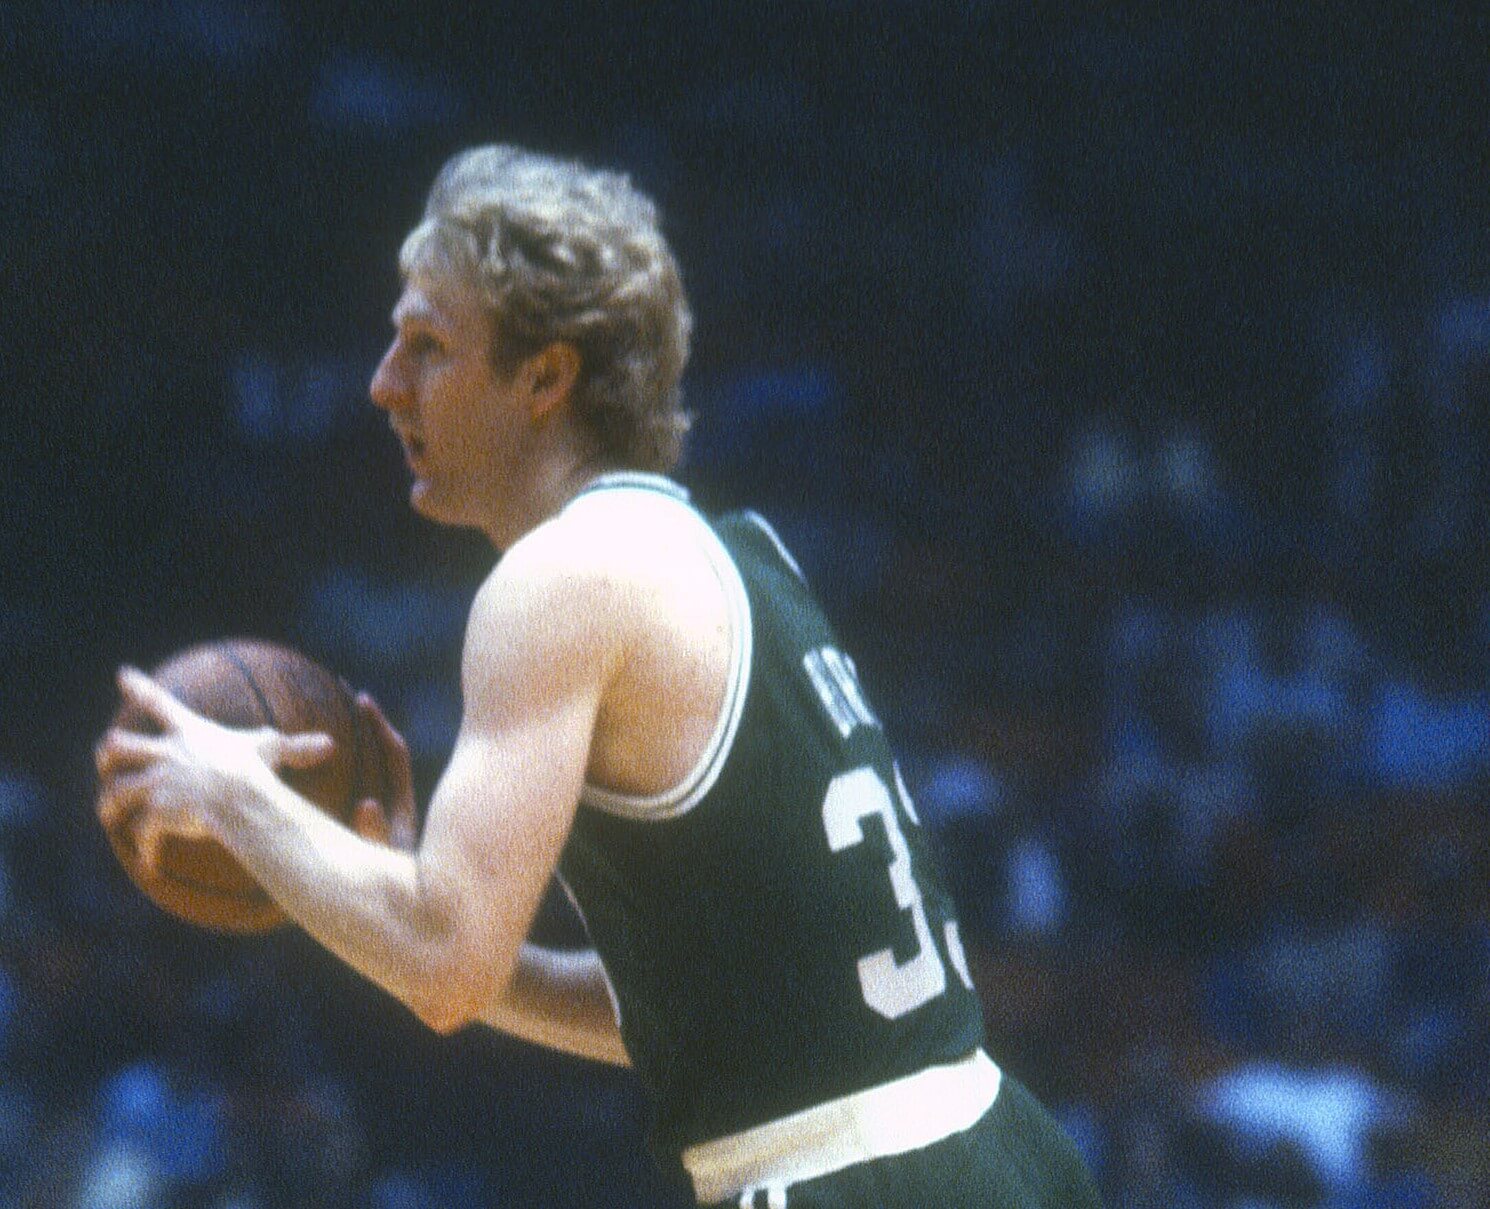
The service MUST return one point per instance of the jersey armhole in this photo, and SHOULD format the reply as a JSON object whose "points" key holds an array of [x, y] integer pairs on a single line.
{"points": [[690, 791]]}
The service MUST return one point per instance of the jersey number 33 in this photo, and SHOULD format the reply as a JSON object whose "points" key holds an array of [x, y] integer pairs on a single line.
{"points": [[891, 988]]}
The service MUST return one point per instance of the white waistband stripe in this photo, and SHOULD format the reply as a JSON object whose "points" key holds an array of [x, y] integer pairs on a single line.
{"points": [[893, 1118]]}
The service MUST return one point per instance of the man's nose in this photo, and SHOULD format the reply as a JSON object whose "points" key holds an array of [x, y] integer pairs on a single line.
{"points": [[387, 387]]}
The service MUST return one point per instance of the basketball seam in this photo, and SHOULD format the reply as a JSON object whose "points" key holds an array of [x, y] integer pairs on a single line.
{"points": [[345, 700], [253, 685]]}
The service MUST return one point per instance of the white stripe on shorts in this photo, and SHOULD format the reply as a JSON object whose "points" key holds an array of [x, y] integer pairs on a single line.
{"points": [[893, 1118]]}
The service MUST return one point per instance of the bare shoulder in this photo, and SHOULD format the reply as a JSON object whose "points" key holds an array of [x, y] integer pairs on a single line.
{"points": [[553, 612], [595, 580], [665, 589], [620, 549]]}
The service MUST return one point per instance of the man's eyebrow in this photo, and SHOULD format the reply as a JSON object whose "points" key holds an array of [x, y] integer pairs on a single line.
{"points": [[418, 312]]}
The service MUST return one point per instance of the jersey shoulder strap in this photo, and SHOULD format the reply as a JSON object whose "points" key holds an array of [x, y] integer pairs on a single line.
{"points": [[684, 796]]}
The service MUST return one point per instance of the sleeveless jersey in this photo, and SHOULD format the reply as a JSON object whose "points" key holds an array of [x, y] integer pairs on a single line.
{"points": [[774, 931]]}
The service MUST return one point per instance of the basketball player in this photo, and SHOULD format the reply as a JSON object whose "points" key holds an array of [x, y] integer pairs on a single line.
{"points": [[656, 710]]}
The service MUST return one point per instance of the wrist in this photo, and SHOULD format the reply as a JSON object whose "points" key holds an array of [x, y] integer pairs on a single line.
{"points": [[241, 798]]}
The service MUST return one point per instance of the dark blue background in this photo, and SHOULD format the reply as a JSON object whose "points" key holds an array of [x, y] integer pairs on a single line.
{"points": [[1120, 381]]}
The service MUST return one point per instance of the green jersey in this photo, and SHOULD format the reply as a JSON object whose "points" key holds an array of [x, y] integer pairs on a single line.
{"points": [[774, 929]]}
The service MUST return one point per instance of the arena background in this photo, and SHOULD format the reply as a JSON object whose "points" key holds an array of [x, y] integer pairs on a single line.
{"points": [[1121, 382]]}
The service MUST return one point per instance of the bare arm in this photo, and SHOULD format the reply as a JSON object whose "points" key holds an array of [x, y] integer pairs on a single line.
{"points": [[557, 998], [441, 928]]}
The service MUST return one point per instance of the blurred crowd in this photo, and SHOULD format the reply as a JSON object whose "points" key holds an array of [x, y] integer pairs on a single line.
{"points": [[1123, 387]]}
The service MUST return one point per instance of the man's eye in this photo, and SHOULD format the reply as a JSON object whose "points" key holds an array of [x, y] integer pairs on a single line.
{"points": [[422, 345]]}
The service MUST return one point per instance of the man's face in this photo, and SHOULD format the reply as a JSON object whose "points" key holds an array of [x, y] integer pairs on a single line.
{"points": [[456, 416]]}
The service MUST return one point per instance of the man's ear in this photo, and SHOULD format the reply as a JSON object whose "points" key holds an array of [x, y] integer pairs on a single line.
{"points": [[551, 373]]}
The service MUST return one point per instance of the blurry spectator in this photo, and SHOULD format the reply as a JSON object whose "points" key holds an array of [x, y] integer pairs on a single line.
{"points": [[1324, 1116], [1137, 418]]}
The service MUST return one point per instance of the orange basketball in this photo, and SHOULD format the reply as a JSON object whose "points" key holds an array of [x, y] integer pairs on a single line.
{"points": [[245, 682]]}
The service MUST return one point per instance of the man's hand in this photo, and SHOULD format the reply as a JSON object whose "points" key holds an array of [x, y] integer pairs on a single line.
{"points": [[185, 779], [394, 819]]}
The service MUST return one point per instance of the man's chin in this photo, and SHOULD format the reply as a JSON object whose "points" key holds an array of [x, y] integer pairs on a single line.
{"points": [[422, 501], [430, 507]]}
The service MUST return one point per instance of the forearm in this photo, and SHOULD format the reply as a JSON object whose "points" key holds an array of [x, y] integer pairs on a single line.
{"points": [[364, 902], [560, 999]]}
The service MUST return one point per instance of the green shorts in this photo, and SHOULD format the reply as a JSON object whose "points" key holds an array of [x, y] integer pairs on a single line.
{"points": [[1015, 1157]]}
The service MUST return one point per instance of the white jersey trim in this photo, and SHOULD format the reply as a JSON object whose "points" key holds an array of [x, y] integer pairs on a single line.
{"points": [[610, 988], [765, 526], [691, 790]]}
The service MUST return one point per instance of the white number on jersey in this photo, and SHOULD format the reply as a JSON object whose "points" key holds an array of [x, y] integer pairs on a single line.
{"points": [[891, 988], [832, 674]]}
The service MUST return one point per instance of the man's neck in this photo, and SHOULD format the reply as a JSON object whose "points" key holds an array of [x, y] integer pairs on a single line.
{"points": [[553, 485]]}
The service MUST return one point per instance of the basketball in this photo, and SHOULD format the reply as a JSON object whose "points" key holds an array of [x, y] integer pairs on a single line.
{"points": [[250, 683]]}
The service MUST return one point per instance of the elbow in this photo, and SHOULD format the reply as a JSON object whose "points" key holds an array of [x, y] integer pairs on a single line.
{"points": [[460, 964], [443, 1018], [453, 998], [445, 1009]]}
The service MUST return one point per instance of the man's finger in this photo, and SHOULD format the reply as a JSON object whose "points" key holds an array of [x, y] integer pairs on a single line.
{"points": [[394, 748], [121, 796], [370, 822], [147, 839], [121, 749], [398, 779], [158, 704], [298, 751]]}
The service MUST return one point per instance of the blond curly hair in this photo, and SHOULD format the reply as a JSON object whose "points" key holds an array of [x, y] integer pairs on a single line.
{"points": [[560, 251]]}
